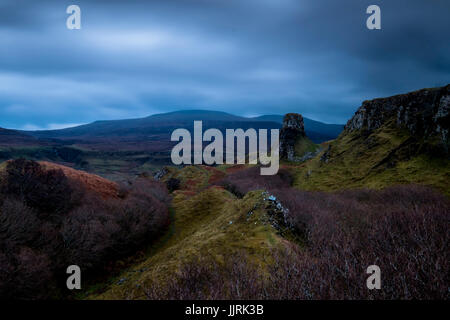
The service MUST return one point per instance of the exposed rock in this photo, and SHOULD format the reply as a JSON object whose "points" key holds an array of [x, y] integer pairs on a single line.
{"points": [[277, 213], [326, 155], [160, 174], [292, 130], [425, 113]]}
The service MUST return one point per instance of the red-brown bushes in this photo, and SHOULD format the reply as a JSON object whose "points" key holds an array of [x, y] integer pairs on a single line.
{"points": [[403, 230], [205, 278], [46, 191], [42, 233], [243, 181], [20, 226]]}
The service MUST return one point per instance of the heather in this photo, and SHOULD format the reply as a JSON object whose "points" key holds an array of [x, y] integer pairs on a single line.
{"points": [[401, 229], [48, 222]]}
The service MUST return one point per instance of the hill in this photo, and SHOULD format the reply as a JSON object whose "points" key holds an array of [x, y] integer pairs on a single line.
{"points": [[396, 140], [90, 182], [159, 126], [10, 138], [236, 234], [52, 216], [239, 235], [118, 149]]}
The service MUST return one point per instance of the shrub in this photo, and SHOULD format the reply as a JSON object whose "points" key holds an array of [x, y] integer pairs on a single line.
{"points": [[47, 191], [243, 181], [403, 230], [204, 278], [41, 232], [173, 184]]}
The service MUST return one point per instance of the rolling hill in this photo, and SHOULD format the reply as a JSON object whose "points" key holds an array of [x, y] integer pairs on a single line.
{"points": [[242, 235], [159, 126], [117, 149], [9, 138]]}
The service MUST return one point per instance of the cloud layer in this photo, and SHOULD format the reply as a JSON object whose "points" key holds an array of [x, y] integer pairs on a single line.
{"points": [[248, 57]]}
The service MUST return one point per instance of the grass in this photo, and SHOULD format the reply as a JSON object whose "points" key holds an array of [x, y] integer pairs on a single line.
{"points": [[193, 178], [203, 214], [211, 223], [357, 162], [305, 145]]}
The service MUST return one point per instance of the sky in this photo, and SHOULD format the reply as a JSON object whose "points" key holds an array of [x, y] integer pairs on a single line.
{"points": [[132, 58]]}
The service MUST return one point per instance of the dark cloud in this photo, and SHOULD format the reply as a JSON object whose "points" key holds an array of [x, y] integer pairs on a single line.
{"points": [[248, 57]]}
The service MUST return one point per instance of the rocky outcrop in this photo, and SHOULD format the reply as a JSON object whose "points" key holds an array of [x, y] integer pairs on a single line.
{"points": [[293, 129], [160, 174], [425, 113], [326, 155]]}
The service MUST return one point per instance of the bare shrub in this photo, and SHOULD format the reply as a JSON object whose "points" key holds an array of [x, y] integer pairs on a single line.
{"points": [[400, 229], [18, 223], [48, 223], [173, 184], [47, 191], [243, 181], [403, 230], [206, 279]]}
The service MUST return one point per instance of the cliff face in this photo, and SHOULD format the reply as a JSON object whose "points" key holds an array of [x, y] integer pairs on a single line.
{"points": [[293, 129], [425, 113], [390, 141]]}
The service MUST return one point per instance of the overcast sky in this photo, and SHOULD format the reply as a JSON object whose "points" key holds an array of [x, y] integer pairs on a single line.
{"points": [[248, 57]]}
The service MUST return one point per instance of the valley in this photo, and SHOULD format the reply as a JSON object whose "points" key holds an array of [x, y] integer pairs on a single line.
{"points": [[125, 148], [377, 193]]}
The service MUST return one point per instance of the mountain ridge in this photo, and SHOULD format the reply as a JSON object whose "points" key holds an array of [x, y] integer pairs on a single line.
{"points": [[318, 131]]}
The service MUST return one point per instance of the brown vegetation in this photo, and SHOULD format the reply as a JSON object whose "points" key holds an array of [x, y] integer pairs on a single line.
{"points": [[403, 230], [242, 181], [51, 218]]}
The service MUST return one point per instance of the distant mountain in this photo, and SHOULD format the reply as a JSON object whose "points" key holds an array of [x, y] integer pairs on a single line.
{"points": [[163, 124], [118, 148], [317, 131], [16, 138]]}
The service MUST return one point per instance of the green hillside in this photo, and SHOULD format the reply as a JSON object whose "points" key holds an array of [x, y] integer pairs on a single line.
{"points": [[388, 156], [207, 222]]}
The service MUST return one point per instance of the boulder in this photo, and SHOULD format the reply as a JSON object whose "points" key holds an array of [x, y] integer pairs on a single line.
{"points": [[293, 129]]}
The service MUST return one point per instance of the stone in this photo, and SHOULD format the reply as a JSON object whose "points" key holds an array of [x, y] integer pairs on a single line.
{"points": [[160, 174], [424, 113], [326, 155], [292, 130]]}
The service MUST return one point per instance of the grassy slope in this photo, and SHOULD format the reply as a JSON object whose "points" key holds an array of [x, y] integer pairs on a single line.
{"points": [[203, 214], [357, 162], [305, 145], [201, 227]]}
